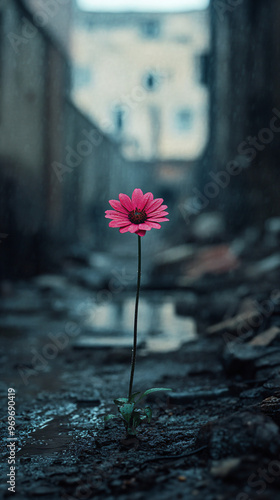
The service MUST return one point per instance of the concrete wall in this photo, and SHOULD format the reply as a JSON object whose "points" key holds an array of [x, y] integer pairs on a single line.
{"points": [[98, 173], [55, 16], [245, 83], [55, 183]]}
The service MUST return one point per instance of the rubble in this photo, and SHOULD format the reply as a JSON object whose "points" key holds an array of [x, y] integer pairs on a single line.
{"points": [[215, 344]]}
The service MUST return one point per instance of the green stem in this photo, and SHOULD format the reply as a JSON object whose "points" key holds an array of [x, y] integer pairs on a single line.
{"points": [[133, 355]]}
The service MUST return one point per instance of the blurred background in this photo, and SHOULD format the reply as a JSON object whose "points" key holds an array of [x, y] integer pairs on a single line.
{"points": [[180, 98]]}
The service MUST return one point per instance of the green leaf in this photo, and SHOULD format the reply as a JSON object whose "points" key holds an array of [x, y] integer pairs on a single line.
{"points": [[120, 401], [133, 396], [126, 411], [109, 417], [136, 420], [154, 389], [148, 413]]}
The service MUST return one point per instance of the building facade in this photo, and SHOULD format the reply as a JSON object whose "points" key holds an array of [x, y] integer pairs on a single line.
{"points": [[142, 78]]}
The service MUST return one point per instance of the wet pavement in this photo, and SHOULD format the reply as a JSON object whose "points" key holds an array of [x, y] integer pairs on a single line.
{"points": [[66, 348]]}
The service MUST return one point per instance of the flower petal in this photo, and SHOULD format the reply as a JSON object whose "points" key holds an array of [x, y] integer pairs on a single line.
{"points": [[161, 208], [145, 226], [153, 208], [126, 202], [117, 206], [147, 198], [117, 223], [111, 214], [137, 198], [115, 212], [157, 219], [140, 232], [158, 213], [119, 219], [133, 228], [153, 205], [154, 225], [124, 229]]}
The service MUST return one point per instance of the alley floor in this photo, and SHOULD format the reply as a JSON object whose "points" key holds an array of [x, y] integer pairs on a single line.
{"points": [[215, 341]]}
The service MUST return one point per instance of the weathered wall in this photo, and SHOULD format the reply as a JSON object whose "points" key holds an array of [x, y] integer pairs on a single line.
{"points": [[244, 140], [55, 16], [55, 177]]}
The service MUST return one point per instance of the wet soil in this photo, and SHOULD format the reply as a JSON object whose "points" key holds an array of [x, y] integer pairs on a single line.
{"points": [[215, 437]]}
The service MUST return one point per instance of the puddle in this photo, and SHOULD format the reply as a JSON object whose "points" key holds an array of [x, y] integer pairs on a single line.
{"points": [[160, 329], [49, 438], [57, 432]]}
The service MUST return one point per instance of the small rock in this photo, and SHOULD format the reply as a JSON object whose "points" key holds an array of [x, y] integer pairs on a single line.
{"points": [[273, 384], [181, 478], [266, 338], [215, 260], [224, 468], [264, 266], [272, 225], [174, 255], [89, 402], [69, 481], [240, 434], [252, 393], [209, 226], [272, 229], [105, 342], [181, 398], [50, 282], [269, 359], [234, 324], [271, 406], [240, 359]]}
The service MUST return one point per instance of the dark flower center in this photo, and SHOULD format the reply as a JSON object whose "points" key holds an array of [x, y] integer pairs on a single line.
{"points": [[137, 216]]}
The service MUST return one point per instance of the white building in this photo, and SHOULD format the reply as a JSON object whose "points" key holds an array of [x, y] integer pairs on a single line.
{"points": [[141, 77]]}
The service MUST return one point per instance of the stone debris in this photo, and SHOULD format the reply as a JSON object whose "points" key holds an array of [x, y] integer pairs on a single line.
{"points": [[266, 265], [240, 434], [244, 359], [224, 468], [233, 324], [265, 338], [182, 398], [214, 343], [271, 406]]}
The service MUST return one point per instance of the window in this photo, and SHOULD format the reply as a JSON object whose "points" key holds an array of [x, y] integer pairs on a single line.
{"points": [[119, 116], [151, 80], [184, 120], [151, 28]]}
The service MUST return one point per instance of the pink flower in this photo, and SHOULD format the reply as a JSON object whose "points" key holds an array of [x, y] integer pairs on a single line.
{"points": [[137, 215]]}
